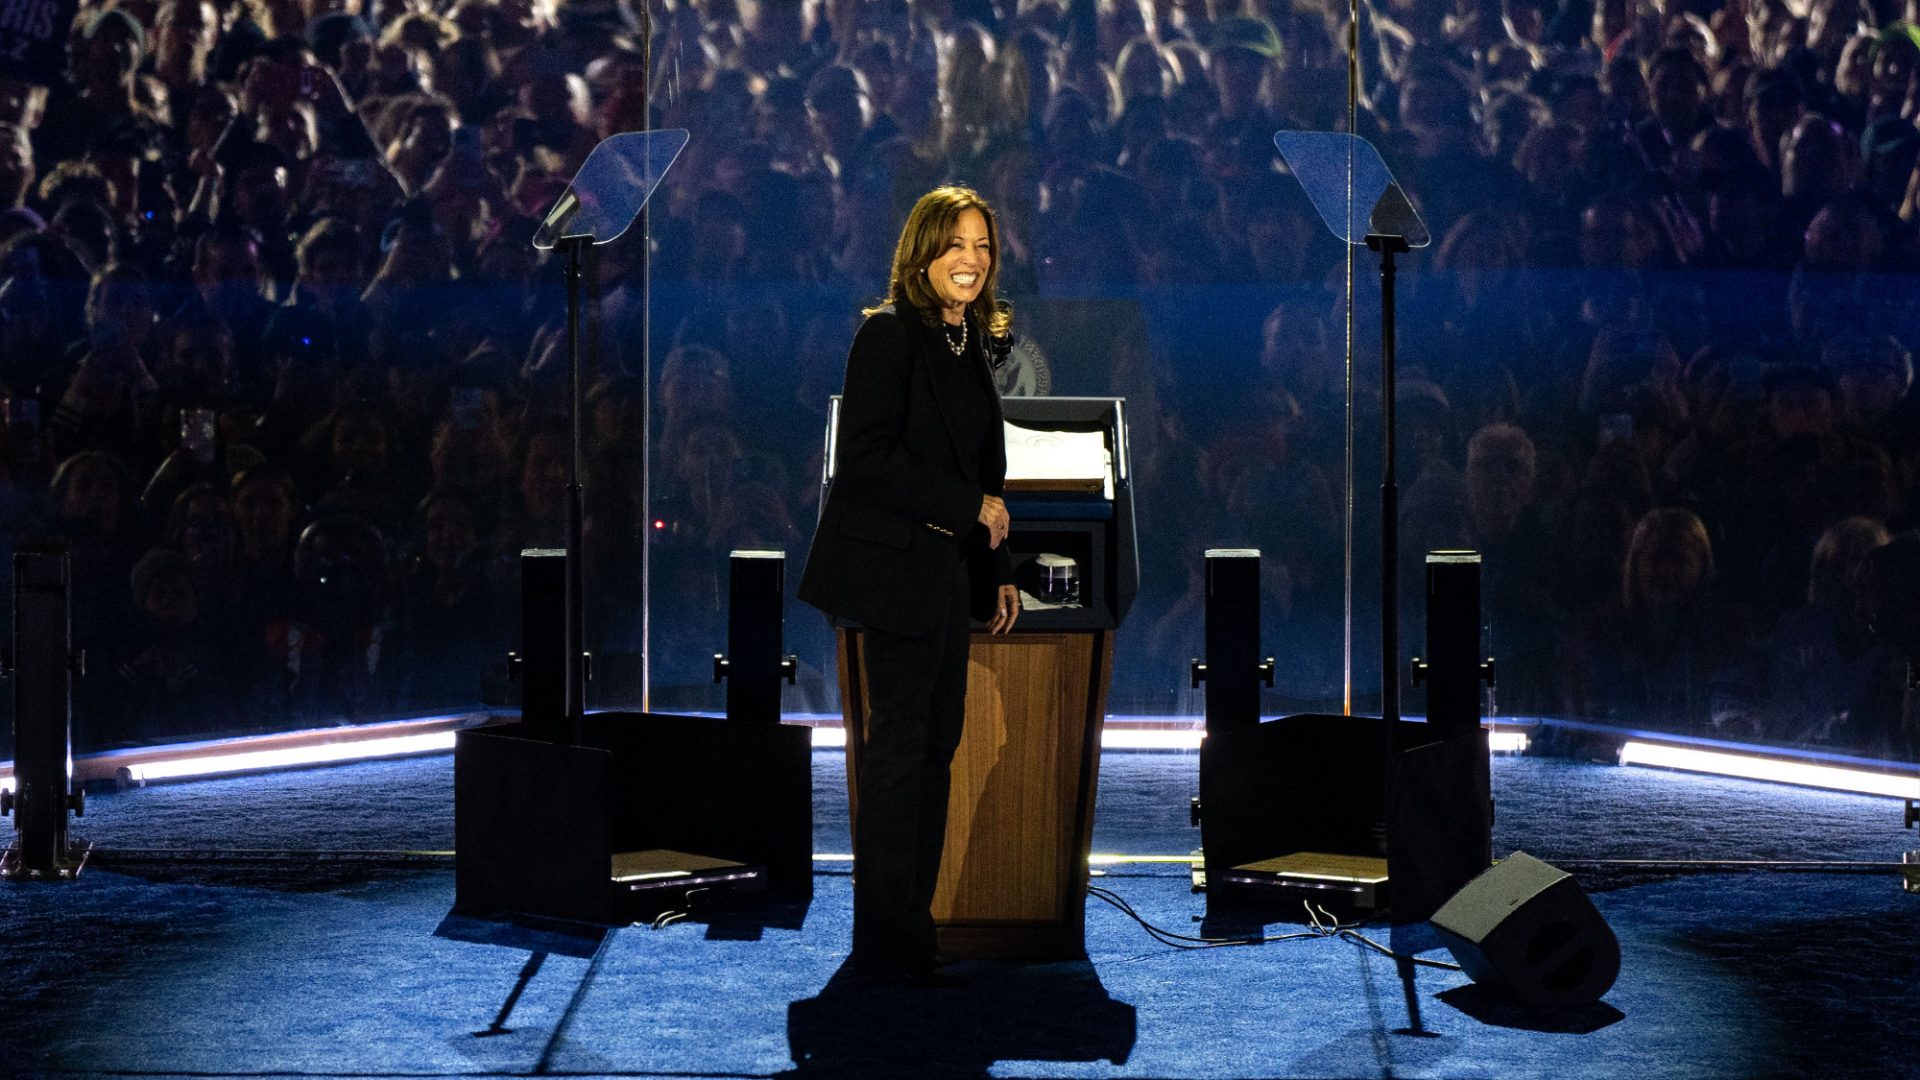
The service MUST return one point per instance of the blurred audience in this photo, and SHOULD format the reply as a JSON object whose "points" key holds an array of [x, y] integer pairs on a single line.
{"points": [[281, 364]]}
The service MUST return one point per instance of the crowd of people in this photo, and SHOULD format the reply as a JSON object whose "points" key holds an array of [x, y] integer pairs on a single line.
{"points": [[283, 369]]}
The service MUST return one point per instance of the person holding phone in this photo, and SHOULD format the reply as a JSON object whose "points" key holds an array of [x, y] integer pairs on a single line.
{"points": [[912, 546]]}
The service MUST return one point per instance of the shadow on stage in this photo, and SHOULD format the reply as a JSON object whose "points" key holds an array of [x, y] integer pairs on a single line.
{"points": [[1409, 940], [747, 921], [1491, 1009], [857, 1027]]}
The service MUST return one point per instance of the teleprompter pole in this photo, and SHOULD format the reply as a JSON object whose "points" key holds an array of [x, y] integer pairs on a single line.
{"points": [[575, 637], [1388, 247]]}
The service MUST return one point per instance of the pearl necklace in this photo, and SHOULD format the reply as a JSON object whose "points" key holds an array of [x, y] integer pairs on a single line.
{"points": [[961, 348]]}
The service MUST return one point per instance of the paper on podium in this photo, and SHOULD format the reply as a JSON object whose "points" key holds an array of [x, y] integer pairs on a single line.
{"points": [[1039, 460]]}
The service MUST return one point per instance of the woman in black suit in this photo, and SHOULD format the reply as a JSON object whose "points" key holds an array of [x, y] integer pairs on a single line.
{"points": [[911, 547]]}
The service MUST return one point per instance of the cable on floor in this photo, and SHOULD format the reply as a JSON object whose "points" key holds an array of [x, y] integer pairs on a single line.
{"points": [[1323, 922]]}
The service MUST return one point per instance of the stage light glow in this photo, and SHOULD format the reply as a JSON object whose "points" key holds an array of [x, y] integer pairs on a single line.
{"points": [[6, 782], [1118, 737], [1095, 859], [1748, 767], [835, 738], [218, 764], [1507, 742]]}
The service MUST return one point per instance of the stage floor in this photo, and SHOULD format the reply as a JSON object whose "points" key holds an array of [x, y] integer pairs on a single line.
{"points": [[332, 967]]}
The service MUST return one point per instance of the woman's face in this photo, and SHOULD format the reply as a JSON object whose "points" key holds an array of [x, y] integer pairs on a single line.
{"points": [[959, 272]]}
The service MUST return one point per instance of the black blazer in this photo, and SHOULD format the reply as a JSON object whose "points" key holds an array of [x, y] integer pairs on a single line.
{"points": [[901, 513]]}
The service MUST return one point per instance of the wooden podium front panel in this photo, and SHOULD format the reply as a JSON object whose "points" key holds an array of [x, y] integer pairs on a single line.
{"points": [[1020, 813], [1015, 780]]}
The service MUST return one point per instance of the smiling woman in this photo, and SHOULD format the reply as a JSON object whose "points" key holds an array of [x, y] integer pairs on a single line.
{"points": [[910, 547], [960, 273]]}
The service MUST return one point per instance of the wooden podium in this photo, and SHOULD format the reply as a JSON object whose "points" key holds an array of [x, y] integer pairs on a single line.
{"points": [[1013, 879]]}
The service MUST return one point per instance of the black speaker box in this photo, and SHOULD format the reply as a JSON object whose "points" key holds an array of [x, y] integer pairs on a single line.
{"points": [[1319, 783], [1526, 928]]}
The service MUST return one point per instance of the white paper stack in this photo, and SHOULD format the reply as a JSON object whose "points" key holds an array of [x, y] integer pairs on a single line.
{"points": [[1058, 460]]}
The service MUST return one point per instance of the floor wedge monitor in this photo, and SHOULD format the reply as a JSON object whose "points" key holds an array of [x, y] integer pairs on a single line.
{"points": [[1526, 928]]}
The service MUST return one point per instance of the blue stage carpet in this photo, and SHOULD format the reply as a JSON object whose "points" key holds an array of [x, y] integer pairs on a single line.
{"points": [[336, 969]]}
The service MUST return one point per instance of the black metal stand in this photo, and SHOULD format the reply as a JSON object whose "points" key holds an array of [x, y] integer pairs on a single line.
{"points": [[540, 664], [1439, 788], [574, 250], [1388, 247], [553, 698], [1453, 670], [754, 663], [43, 667], [1233, 670]]}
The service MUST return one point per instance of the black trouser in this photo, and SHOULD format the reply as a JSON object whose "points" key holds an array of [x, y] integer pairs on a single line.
{"points": [[917, 699]]}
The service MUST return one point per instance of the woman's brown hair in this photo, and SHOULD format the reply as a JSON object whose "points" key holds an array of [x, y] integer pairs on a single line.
{"points": [[929, 226], [1657, 529]]}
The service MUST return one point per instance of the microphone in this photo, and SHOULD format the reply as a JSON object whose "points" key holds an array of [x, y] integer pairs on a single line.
{"points": [[999, 351]]}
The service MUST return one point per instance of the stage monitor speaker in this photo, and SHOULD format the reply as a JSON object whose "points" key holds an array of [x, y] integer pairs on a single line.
{"points": [[1526, 928]]}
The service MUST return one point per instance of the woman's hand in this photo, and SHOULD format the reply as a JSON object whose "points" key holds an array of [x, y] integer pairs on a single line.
{"points": [[1006, 609], [993, 515]]}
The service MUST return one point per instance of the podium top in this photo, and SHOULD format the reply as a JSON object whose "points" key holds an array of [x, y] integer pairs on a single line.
{"points": [[609, 190], [1350, 186]]}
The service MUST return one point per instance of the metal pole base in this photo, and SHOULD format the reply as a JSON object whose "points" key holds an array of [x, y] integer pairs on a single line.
{"points": [[63, 869]]}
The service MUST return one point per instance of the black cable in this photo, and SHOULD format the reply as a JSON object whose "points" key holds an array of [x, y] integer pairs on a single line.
{"points": [[1179, 941], [1331, 928]]}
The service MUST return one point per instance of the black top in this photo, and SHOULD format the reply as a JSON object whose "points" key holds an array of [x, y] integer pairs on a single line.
{"points": [[964, 395]]}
